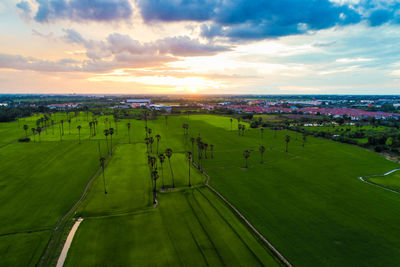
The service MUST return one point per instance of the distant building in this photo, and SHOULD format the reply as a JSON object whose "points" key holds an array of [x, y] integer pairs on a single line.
{"points": [[3, 104], [141, 102]]}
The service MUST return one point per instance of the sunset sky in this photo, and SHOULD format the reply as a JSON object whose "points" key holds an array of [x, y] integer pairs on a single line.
{"points": [[200, 46]]}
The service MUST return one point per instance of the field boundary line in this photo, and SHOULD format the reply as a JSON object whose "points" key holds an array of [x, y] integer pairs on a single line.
{"points": [[238, 213], [364, 179], [27, 232]]}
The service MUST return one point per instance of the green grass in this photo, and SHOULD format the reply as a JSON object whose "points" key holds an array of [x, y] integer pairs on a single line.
{"points": [[309, 202], [189, 228], [391, 181], [22, 249]]}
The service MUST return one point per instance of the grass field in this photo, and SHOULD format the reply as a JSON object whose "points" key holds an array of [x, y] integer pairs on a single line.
{"points": [[309, 202], [189, 226], [391, 181]]}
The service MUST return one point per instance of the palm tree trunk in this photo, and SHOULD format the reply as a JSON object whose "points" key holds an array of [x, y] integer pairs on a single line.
{"points": [[104, 182], [189, 174], [246, 164], [79, 136], [162, 176], [172, 174], [111, 148], [286, 147], [108, 151]]}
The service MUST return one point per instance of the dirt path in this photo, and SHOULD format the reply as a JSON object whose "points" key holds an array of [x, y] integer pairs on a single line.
{"points": [[238, 213], [67, 244], [377, 185]]}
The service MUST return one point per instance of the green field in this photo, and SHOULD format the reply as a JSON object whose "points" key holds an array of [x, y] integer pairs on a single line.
{"points": [[309, 202], [391, 181]]}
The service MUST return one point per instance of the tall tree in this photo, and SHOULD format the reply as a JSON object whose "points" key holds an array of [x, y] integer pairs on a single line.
{"points": [[69, 126], [262, 150], [304, 139], [231, 123], [33, 133], [239, 128], [205, 146], [155, 177], [106, 133], [246, 155], [168, 153], [161, 157], [262, 135], [151, 141], [243, 128], [158, 137], [52, 125], [129, 132], [39, 130], [189, 155], [192, 140], [102, 163], [62, 127], [26, 127], [111, 132], [212, 150], [287, 140], [79, 133]]}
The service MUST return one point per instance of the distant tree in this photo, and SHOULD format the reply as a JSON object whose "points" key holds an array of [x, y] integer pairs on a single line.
{"points": [[155, 176], [151, 141], [158, 137], [262, 134], [26, 127], [79, 133], [192, 140], [39, 130], [287, 140], [304, 139], [189, 155], [129, 133], [106, 133], [111, 132], [246, 155], [62, 127], [33, 133], [102, 163], [161, 157], [168, 153], [262, 150]]}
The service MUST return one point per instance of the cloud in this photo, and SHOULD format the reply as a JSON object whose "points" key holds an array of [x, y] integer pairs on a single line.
{"points": [[25, 8], [116, 43], [79, 10], [265, 19]]}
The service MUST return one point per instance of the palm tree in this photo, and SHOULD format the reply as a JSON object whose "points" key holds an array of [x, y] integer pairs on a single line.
{"points": [[39, 130], [246, 155], [192, 140], [161, 157], [129, 133], [106, 133], [59, 128], [262, 150], [149, 131], [90, 128], [79, 133], [62, 126], [304, 139], [239, 128], [52, 125], [262, 135], [166, 120], [158, 137], [212, 151], [26, 127], [33, 133], [102, 161], [147, 141], [231, 123], [168, 153], [69, 126], [151, 141], [155, 176], [243, 128], [189, 154], [205, 146], [287, 140], [111, 132]]}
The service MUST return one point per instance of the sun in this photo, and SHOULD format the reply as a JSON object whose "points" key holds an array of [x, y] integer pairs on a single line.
{"points": [[193, 90]]}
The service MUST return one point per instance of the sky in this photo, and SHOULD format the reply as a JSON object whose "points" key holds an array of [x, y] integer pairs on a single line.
{"points": [[200, 47]]}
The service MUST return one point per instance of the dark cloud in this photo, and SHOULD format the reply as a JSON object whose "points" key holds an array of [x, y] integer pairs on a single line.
{"points": [[262, 19], [80, 10]]}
